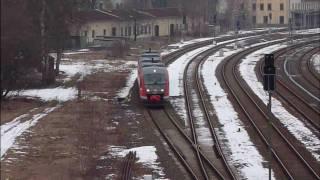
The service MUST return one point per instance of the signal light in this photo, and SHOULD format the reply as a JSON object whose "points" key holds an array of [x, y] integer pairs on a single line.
{"points": [[269, 71]]}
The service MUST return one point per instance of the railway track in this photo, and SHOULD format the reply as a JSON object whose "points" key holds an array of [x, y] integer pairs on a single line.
{"points": [[224, 167], [307, 69], [312, 70], [198, 163], [128, 163], [289, 95], [192, 84], [189, 160], [284, 152]]}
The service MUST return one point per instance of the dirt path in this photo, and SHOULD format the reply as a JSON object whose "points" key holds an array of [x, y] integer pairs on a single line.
{"points": [[73, 141]]}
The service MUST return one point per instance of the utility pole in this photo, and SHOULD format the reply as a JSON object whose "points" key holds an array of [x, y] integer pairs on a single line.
{"points": [[290, 21], [135, 29]]}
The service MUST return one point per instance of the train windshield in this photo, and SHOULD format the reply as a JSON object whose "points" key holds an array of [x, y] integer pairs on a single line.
{"points": [[154, 79]]}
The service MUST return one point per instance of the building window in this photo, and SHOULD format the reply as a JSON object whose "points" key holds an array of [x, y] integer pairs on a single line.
{"points": [[126, 31], [242, 6], [254, 20], [104, 32], [129, 31], [149, 29], [254, 7], [265, 19], [281, 7], [136, 31], [270, 16], [141, 29], [114, 31], [146, 29], [281, 19], [93, 33], [269, 7], [86, 33], [261, 6], [121, 31]]}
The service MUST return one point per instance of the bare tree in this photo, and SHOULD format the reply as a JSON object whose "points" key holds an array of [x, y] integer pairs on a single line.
{"points": [[20, 49]]}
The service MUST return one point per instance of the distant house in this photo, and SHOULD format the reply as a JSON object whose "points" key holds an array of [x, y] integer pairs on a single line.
{"points": [[129, 24], [303, 13]]}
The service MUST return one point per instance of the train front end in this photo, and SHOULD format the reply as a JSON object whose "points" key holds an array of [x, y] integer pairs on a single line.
{"points": [[154, 86]]}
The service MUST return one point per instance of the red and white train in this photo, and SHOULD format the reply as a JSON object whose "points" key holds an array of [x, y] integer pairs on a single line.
{"points": [[153, 79]]}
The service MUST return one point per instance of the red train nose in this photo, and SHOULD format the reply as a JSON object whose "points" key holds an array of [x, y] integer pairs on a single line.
{"points": [[155, 98]]}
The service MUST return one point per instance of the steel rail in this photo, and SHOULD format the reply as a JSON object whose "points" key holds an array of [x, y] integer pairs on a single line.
{"points": [[235, 74], [305, 59], [174, 122], [213, 132], [282, 84], [172, 146], [264, 139], [312, 70], [191, 119]]}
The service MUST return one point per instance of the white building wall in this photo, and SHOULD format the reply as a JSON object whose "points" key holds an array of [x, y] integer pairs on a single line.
{"points": [[145, 28]]}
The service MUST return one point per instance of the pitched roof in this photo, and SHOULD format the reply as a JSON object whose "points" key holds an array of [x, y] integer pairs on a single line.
{"points": [[118, 14], [164, 12], [95, 15]]}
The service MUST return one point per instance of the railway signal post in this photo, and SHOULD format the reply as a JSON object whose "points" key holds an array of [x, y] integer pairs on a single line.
{"points": [[269, 77]]}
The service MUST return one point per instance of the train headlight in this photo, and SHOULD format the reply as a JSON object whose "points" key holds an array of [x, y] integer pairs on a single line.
{"points": [[148, 90], [162, 90]]}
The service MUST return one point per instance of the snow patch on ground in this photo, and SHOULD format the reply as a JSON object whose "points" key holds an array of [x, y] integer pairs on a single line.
{"points": [[176, 46], [124, 92], [51, 94], [202, 127], [292, 123], [146, 156], [83, 69], [176, 70], [315, 61], [304, 31], [13, 129], [80, 51], [243, 155]]}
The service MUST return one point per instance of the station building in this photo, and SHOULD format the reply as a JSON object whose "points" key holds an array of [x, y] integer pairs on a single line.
{"points": [[303, 13], [126, 24]]}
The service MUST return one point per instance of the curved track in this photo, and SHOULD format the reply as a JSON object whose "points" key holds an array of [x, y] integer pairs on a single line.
{"points": [[289, 94], [307, 69], [192, 83], [284, 152], [188, 150]]}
